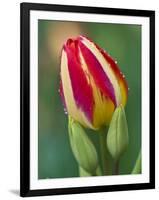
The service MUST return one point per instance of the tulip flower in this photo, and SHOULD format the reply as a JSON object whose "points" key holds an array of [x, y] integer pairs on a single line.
{"points": [[92, 85]]}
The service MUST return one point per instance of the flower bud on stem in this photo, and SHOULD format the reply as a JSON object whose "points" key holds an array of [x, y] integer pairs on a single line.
{"points": [[82, 147], [117, 138]]}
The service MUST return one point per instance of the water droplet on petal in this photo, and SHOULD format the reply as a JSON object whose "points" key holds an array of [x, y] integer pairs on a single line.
{"points": [[65, 111]]}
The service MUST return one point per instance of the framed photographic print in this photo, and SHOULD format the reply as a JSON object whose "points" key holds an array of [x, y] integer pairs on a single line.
{"points": [[87, 99]]}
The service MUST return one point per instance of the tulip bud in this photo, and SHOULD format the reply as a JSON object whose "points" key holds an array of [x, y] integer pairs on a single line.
{"points": [[82, 148], [117, 137], [92, 85]]}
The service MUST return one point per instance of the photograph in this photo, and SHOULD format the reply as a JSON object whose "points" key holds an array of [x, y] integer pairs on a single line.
{"points": [[89, 92]]}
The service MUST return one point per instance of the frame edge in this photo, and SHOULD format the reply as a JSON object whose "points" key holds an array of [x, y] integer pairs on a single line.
{"points": [[24, 101]]}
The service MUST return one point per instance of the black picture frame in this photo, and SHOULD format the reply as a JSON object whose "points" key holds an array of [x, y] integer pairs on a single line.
{"points": [[25, 9]]}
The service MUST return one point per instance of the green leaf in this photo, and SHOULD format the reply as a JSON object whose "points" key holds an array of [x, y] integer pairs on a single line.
{"points": [[82, 147], [117, 137], [84, 173], [137, 167]]}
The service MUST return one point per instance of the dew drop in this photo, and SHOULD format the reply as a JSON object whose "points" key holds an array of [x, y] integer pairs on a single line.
{"points": [[116, 62], [65, 111]]}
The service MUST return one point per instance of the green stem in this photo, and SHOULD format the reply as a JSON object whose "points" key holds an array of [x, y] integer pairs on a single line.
{"points": [[137, 167], [116, 168], [106, 165]]}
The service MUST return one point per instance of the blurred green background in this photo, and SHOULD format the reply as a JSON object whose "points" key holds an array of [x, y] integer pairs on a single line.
{"points": [[123, 42]]}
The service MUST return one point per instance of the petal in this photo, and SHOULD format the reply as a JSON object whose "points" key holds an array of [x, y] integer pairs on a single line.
{"points": [[62, 95], [97, 72], [101, 70], [103, 106], [75, 89], [120, 77]]}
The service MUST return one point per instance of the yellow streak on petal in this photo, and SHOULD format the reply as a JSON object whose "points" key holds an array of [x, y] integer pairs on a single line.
{"points": [[123, 93], [103, 108], [106, 67], [72, 109]]}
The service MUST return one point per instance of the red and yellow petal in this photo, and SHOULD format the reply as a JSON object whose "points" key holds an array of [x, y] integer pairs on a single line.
{"points": [[119, 75], [107, 72], [103, 105], [75, 91]]}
